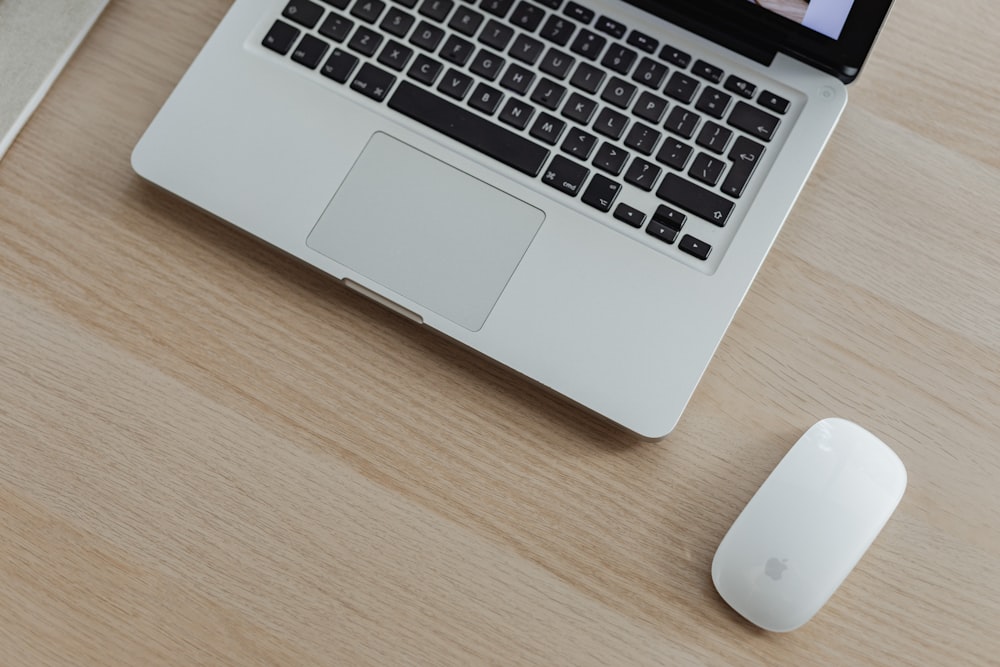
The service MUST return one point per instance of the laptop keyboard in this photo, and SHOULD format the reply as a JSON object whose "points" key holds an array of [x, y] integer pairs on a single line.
{"points": [[595, 110]]}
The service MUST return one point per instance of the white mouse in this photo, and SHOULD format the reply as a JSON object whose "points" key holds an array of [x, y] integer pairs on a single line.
{"points": [[808, 525]]}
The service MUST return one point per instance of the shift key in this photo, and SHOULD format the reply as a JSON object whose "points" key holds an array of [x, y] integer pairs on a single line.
{"points": [[696, 199]]}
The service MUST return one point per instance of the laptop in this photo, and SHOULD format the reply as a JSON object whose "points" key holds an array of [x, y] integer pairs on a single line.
{"points": [[36, 41], [581, 190]]}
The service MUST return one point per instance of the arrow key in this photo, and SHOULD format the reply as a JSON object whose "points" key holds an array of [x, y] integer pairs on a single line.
{"points": [[695, 247]]}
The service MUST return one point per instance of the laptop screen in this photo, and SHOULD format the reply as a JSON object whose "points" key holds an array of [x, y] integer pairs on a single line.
{"points": [[834, 36], [826, 17]]}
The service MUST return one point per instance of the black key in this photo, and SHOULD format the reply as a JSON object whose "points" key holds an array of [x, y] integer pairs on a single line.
{"points": [[498, 8], [425, 70], [368, 10], [618, 92], [642, 174], [579, 108], [339, 66], [696, 199], [707, 71], [610, 27], [642, 138], [336, 27], [517, 78], [339, 4], [776, 103], [746, 150], [373, 82], [406, 3], [557, 30], [496, 34], [707, 169], [457, 50], [610, 123], [436, 10], [527, 16], [465, 21], [675, 56], [694, 247], [551, 4], [642, 41], [280, 37], [610, 158], [517, 113], [556, 63], [744, 155], [487, 65], [735, 84], [526, 49], [455, 84], [674, 154], [565, 175], [714, 137], [303, 12], [578, 12], [427, 36], [753, 121], [681, 87], [579, 144], [548, 93], [547, 128], [588, 44], [395, 55], [587, 78], [468, 128], [601, 193], [365, 41], [397, 22], [682, 122], [486, 98], [650, 73], [714, 102], [669, 217], [661, 231], [630, 216], [650, 107], [619, 58]]}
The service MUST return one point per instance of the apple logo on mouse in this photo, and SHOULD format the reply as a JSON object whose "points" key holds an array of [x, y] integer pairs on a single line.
{"points": [[774, 568]]}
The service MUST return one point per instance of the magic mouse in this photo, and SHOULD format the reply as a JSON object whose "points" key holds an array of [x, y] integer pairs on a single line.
{"points": [[808, 525]]}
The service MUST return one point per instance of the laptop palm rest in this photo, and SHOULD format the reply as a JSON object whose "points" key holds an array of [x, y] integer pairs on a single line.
{"points": [[425, 230]]}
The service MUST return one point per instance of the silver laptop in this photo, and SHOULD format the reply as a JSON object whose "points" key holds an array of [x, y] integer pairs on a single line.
{"points": [[37, 39], [583, 190]]}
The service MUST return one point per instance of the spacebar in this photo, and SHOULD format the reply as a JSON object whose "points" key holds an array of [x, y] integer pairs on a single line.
{"points": [[464, 126]]}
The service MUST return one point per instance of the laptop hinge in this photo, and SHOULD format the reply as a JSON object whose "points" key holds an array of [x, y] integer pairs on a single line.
{"points": [[764, 56], [727, 38]]}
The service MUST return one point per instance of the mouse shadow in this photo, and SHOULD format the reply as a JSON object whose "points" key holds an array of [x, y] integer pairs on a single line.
{"points": [[536, 403]]}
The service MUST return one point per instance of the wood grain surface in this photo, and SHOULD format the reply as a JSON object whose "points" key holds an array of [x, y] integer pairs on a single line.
{"points": [[213, 455]]}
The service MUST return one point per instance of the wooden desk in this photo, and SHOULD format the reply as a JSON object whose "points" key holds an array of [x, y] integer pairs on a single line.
{"points": [[210, 454]]}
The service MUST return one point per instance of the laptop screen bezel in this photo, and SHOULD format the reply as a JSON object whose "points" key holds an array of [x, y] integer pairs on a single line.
{"points": [[753, 30]]}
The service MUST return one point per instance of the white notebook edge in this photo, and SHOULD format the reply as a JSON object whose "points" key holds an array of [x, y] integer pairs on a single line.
{"points": [[10, 134]]}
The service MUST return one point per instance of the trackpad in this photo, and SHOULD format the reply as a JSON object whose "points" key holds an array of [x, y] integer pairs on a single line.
{"points": [[426, 231]]}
